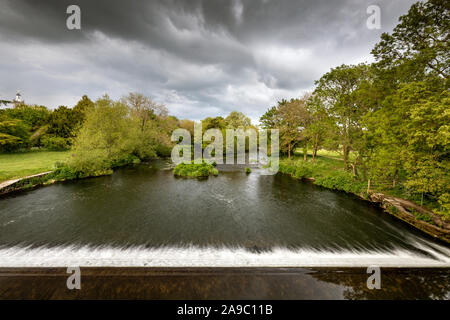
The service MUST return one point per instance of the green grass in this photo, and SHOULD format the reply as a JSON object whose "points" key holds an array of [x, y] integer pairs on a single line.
{"points": [[17, 165], [326, 154], [327, 171], [325, 162]]}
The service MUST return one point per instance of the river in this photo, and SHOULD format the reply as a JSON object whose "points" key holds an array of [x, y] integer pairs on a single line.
{"points": [[143, 216]]}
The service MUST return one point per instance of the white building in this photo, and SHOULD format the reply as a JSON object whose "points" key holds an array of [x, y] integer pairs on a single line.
{"points": [[18, 99]]}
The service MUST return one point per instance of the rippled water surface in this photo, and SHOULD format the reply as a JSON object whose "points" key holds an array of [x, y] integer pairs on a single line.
{"points": [[144, 208]]}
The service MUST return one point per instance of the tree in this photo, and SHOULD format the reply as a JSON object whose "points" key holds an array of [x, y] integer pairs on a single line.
{"points": [[34, 116], [236, 120], [419, 44], [337, 92], [214, 123], [292, 119], [154, 124], [107, 136], [82, 106], [318, 127], [426, 110], [188, 125], [144, 108], [268, 119], [64, 122], [14, 134]]}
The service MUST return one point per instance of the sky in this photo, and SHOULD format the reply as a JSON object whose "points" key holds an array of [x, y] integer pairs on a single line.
{"points": [[198, 57]]}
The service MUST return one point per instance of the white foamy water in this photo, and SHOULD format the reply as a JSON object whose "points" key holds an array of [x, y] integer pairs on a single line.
{"points": [[215, 257]]}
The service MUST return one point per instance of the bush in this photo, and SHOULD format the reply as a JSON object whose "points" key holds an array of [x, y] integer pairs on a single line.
{"points": [[248, 170], [287, 168], [422, 216], [303, 171], [298, 169], [124, 160], [65, 173], [55, 143], [195, 170], [341, 180], [69, 173], [163, 151]]}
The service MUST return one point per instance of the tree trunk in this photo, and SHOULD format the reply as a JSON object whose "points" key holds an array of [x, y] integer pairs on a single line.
{"points": [[315, 147], [345, 150], [394, 182], [354, 169], [289, 151], [305, 152]]}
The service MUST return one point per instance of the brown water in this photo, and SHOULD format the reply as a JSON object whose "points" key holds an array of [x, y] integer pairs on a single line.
{"points": [[224, 283]]}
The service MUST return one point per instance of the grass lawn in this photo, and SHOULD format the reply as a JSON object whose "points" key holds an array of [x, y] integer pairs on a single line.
{"points": [[324, 164], [16, 165], [326, 154]]}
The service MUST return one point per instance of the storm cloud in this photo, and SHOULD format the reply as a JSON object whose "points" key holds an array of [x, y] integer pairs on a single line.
{"points": [[200, 58]]}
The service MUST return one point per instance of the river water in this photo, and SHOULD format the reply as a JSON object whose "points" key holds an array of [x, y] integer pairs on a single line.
{"points": [[144, 216]]}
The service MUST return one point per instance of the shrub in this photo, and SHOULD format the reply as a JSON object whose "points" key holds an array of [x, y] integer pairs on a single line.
{"points": [[124, 160], [65, 173], [341, 180], [163, 151], [195, 170], [422, 216], [302, 171], [287, 168], [55, 143], [298, 169], [248, 170]]}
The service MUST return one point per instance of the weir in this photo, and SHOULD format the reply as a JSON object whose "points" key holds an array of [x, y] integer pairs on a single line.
{"points": [[215, 257], [145, 217]]}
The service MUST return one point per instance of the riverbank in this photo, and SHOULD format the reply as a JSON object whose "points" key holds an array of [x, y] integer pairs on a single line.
{"points": [[329, 173], [24, 182], [20, 165], [28, 170]]}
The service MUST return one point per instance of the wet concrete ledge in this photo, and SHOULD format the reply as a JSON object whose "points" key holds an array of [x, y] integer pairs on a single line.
{"points": [[224, 283], [16, 184]]}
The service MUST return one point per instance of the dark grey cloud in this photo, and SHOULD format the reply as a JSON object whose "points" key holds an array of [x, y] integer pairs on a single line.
{"points": [[201, 58]]}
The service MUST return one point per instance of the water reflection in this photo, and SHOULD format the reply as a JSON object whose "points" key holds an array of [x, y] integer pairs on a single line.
{"points": [[224, 283]]}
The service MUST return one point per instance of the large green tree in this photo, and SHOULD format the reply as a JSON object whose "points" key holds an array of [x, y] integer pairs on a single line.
{"points": [[237, 120], [419, 45], [14, 134], [337, 91]]}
